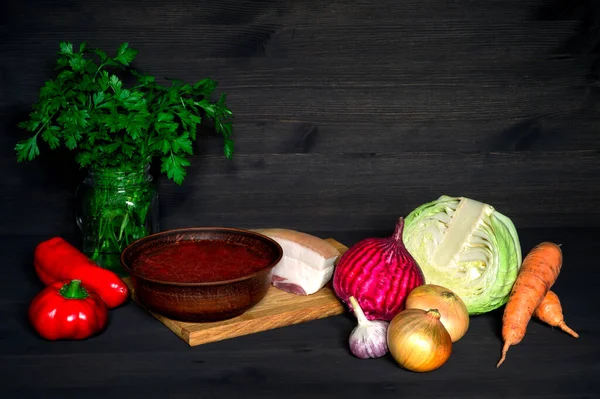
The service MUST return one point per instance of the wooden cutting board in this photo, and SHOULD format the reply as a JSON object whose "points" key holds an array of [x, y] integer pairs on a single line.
{"points": [[278, 309]]}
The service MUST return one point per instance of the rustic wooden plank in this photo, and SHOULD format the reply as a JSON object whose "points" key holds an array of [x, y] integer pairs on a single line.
{"points": [[278, 310], [537, 82], [414, 104], [571, 132], [409, 103], [392, 71], [508, 104], [409, 82], [363, 39], [362, 84], [213, 12], [305, 191], [452, 39], [334, 71]]}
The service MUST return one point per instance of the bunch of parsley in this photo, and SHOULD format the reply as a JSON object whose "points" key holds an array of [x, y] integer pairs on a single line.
{"points": [[89, 109]]}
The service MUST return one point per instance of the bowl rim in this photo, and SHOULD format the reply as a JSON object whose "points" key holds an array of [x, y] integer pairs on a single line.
{"points": [[236, 230]]}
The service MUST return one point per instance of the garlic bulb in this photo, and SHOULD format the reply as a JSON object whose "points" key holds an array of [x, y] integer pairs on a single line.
{"points": [[369, 338]]}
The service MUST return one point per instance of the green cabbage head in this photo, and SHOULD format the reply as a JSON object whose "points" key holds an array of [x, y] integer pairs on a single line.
{"points": [[466, 246]]}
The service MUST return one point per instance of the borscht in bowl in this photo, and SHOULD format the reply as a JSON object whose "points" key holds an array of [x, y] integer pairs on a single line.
{"points": [[203, 273]]}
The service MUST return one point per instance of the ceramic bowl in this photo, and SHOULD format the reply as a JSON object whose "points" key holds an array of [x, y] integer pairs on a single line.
{"points": [[200, 301]]}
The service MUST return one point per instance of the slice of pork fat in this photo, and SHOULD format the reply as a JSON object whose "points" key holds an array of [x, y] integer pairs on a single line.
{"points": [[307, 263]]}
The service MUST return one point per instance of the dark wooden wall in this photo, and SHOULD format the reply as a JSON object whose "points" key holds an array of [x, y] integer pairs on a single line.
{"points": [[348, 113]]}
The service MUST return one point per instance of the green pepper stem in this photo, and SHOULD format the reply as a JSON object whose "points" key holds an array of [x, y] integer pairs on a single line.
{"points": [[73, 290]]}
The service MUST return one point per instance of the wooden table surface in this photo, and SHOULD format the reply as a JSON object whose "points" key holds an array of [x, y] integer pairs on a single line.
{"points": [[139, 357]]}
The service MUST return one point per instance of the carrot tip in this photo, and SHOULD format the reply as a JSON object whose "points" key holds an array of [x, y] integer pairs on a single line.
{"points": [[504, 351], [563, 326]]}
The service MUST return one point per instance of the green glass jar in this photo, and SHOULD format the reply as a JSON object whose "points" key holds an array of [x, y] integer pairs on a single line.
{"points": [[115, 208]]}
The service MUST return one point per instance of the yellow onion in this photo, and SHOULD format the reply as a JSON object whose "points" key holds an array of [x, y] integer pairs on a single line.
{"points": [[453, 311], [418, 341]]}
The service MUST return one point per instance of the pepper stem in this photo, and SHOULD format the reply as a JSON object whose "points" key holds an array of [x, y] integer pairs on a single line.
{"points": [[74, 290], [399, 229], [358, 312]]}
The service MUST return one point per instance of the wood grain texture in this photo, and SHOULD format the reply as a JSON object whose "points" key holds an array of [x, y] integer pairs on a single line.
{"points": [[570, 132], [367, 39], [278, 309], [402, 101], [242, 12], [371, 92], [305, 191]]}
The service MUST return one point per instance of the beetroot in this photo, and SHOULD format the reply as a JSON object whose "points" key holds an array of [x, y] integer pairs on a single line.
{"points": [[379, 273]]}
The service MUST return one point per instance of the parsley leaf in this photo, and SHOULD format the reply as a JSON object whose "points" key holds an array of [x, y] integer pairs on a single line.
{"points": [[27, 149], [50, 136], [89, 109], [78, 63], [66, 48], [182, 143], [174, 166], [125, 54]]}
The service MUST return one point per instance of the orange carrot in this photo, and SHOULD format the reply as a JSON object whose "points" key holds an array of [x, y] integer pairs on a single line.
{"points": [[538, 273], [550, 312]]}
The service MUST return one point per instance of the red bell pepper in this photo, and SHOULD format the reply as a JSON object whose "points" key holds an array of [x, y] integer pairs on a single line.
{"points": [[57, 260], [66, 310]]}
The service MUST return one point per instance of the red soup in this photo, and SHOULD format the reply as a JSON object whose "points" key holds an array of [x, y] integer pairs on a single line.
{"points": [[200, 261]]}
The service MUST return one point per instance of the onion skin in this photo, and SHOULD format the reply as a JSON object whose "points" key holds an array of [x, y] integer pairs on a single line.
{"points": [[418, 341], [453, 311], [379, 273]]}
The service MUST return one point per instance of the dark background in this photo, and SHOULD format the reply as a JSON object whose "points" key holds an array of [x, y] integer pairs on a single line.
{"points": [[348, 115]]}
